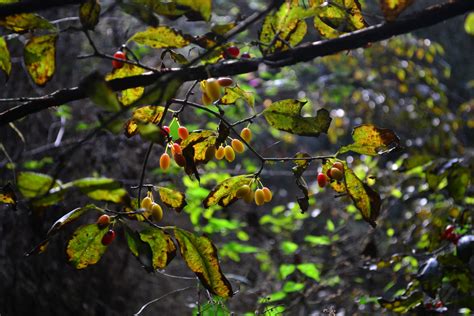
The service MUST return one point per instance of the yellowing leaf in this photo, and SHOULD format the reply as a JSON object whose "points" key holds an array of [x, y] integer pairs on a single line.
{"points": [[200, 255], [70, 217], [89, 12], [40, 58], [127, 96], [232, 94], [225, 192], [338, 17], [392, 8], [372, 140], [85, 247], [5, 61], [469, 24], [403, 304], [102, 189], [147, 114], [286, 116], [283, 29], [7, 195], [25, 22], [172, 198], [160, 37], [365, 199], [32, 184], [198, 148], [195, 10], [162, 246]]}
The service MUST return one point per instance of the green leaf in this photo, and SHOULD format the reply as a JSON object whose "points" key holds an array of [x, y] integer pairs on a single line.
{"points": [[40, 58], [5, 61], [283, 29], [147, 114], [365, 199], [128, 96], [160, 37], [288, 247], [291, 286], [7, 195], [140, 249], [102, 189], [317, 240], [195, 10], [402, 304], [392, 8], [224, 193], [100, 93], [200, 255], [70, 217], [85, 246], [286, 116], [162, 246], [338, 17], [286, 270], [458, 182], [172, 198], [372, 140], [24, 22], [469, 24], [89, 13], [162, 91], [32, 184], [232, 94], [310, 270]]}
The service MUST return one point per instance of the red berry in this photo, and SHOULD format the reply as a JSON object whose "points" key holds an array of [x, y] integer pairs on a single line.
{"points": [[232, 51], [448, 232], [245, 55], [165, 130], [183, 132], [118, 64], [108, 237], [439, 304], [322, 180]]}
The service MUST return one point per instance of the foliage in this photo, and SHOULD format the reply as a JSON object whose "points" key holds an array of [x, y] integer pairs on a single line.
{"points": [[403, 174]]}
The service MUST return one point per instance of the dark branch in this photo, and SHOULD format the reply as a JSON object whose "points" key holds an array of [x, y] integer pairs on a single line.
{"points": [[33, 6], [305, 52]]}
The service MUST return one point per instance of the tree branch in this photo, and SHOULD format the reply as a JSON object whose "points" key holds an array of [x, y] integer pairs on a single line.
{"points": [[33, 6], [428, 17]]}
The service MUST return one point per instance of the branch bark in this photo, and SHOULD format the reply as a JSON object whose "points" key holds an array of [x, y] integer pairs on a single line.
{"points": [[33, 6], [305, 52]]}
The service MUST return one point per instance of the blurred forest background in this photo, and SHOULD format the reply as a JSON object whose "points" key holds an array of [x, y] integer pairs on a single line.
{"points": [[420, 85]]}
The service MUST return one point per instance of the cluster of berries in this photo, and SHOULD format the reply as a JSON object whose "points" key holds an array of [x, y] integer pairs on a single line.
{"points": [[212, 89], [176, 150], [236, 146], [104, 221], [260, 196], [336, 172], [152, 208]]}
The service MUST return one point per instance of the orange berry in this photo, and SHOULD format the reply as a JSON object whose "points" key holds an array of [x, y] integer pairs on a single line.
{"points": [[183, 132], [225, 81], [246, 134], [219, 154], [165, 161], [336, 174], [237, 145], [229, 153], [338, 165], [213, 89], [242, 191], [103, 220], [259, 197], [176, 149], [146, 203], [157, 212], [267, 194]]}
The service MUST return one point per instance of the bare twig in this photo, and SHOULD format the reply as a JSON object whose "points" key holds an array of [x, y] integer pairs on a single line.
{"points": [[162, 297]]}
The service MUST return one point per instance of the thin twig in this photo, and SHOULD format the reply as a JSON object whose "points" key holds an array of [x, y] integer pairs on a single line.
{"points": [[162, 297]]}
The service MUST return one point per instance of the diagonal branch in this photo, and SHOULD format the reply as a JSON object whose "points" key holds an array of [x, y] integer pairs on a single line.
{"points": [[33, 6], [428, 17]]}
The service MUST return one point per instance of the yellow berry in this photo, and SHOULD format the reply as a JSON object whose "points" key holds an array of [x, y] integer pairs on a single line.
{"points": [[338, 165], [213, 89], [156, 212], [242, 191], [229, 153], [267, 194], [219, 154], [249, 197], [165, 161], [147, 203], [237, 145], [336, 174], [259, 197], [246, 134]]}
